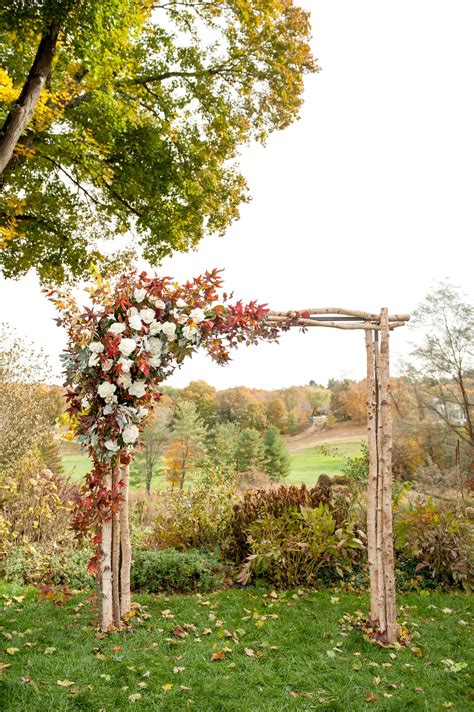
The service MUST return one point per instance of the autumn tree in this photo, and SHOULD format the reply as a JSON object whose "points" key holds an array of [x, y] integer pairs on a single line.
{"points": [[126, 118], [28, 405], [204, 398], [187, 447], [277, 412], [156, 435]]}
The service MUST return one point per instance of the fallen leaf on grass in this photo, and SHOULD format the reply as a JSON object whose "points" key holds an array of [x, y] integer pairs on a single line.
{"points": [[167, 613], [451, 666], [65, 683], [135, 697], [167, 687], [49, 651], [371, 697], [376, 680], [176, 670], [420, 690], [220, 655], [12, 651], [249, 652]]}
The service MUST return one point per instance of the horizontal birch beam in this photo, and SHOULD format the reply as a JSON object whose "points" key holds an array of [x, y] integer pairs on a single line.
{"points": [[364, 316], [277, 319]]}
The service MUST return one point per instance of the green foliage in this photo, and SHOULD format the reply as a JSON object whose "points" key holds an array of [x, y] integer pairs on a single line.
{"points": [[175, 571], [198, 517], [250, 453], [356, 468], [37, 564], [442, 541], [290, 550], [140, 122], [272, 503], [224, 442], [277, 458]]}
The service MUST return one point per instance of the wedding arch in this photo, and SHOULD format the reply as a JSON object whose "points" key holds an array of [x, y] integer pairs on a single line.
{"points": [[136, 331]]}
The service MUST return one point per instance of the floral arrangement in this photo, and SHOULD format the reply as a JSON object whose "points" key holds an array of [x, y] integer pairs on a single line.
{"points": [[135, 333]]}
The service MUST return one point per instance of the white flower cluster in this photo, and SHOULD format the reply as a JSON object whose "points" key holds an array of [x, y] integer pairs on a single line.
{"points": [[150, 336]]}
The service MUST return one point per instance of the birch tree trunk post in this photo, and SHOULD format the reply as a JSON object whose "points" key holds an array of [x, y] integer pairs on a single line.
{"points": [[106, 600], [126, 549], [372, 480], [386, 468], [381, 616], [115, 553]]}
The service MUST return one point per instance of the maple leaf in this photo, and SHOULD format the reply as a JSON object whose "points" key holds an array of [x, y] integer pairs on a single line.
{"points": [[219, 655], [65, 683]]}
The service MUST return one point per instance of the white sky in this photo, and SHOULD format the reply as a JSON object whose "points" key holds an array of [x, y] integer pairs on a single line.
{"points": [[360, 204]]}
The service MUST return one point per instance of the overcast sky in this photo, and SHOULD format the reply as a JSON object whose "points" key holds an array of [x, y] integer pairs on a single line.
{"points": [[362, 203]]}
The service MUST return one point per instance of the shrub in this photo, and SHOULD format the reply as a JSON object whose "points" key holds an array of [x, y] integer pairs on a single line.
{"points": [[34, 564], [272, 503], [35, 503], [289, 550], [175, 571], [441, 539], [198, 517]]}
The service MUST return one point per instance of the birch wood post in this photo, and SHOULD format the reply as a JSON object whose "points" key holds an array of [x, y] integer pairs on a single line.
{"points": [[379, 516], [386, 465], [126, 549], [372, 481], [115, 554], [105, 604]]}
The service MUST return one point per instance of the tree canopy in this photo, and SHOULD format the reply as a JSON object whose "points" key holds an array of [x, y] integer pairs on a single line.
{"points": [[125, 117]]}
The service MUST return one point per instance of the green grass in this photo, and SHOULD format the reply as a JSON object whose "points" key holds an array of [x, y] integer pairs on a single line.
{"points": [[76, 464], [307, 465], [299, 656]]}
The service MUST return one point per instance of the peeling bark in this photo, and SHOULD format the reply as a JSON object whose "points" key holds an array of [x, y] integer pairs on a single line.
{"points": [[126, 549]]}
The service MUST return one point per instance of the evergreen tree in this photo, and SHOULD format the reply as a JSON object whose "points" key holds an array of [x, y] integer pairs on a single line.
{"points": [[224, 445], [250, 451], [277, 458]]}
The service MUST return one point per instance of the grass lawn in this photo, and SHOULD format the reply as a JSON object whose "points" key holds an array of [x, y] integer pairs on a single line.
{"points": [[76, 464], [271, 655], [307, 465]]}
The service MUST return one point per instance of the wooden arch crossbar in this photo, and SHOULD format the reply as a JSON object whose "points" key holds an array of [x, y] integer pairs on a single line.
{"points": [[377, 329]]}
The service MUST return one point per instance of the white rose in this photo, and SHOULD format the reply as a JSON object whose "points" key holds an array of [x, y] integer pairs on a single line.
{"points": [[135, 322], [130, 434], [155, 327], [169, 329], [116, 328], [147, 315], [155, 346], [107, 365], [137, 389], [93, 360], [142, 413], [159, 304], [189, 332], [112, 445], [124, 380], [197, 315], [127, 346], [106, 390], [96, 347], [182, 318], [155, 361], [126, 364], [132, 311], [139, 295], [180, 303]]}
